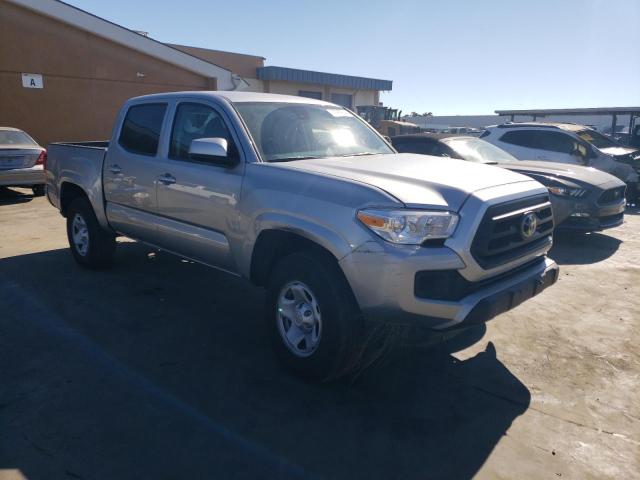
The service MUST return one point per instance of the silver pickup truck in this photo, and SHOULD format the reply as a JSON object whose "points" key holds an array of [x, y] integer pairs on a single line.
{"points": [[306, 199]]}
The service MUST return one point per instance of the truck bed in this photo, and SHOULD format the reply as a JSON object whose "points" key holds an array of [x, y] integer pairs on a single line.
{"points": [[79, 164]]}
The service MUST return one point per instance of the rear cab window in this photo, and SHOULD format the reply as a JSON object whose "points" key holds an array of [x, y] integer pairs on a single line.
{"points": [[140, 132]]}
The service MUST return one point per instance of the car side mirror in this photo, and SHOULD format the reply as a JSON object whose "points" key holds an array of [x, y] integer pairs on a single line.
{"points": [[212, 150]]}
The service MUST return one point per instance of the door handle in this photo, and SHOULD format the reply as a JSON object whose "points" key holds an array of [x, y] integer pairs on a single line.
{"points": [[115, 169], [167, 179]]}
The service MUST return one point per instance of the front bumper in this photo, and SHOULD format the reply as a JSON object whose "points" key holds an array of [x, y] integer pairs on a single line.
{"points": [[22, 177], [383, 281], [590, 216]]}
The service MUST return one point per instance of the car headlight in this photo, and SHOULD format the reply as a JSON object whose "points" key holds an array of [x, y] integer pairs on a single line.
{"points": [[409, 227], [565, 191]]}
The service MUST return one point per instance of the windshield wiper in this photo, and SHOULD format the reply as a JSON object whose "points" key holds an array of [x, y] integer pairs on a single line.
{"points": [[358, 154], [290, 159]]}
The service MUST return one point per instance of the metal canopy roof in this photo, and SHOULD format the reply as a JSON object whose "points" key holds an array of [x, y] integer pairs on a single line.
{"points": [[321, 78], [573, 111]]}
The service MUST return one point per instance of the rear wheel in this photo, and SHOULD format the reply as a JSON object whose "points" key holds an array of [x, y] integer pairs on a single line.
{"points": [[91, 245], [38, 190], [314, 322]]}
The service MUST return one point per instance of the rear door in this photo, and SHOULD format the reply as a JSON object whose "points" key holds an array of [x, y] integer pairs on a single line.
{"points": [[130, 171], [197, 200]]}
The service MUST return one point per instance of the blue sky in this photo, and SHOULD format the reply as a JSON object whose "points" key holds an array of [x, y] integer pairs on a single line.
{"points": [[446, 57]]}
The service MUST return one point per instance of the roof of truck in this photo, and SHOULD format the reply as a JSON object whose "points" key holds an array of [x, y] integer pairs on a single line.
{"points": [[235, 97]]}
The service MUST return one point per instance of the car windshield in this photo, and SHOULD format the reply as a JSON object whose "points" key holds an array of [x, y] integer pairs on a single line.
{"points": [[476, 150], [297, 131], [596, 139], [15, 137]]}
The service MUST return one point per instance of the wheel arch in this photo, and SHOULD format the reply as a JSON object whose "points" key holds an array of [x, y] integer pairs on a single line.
{"points": [[274, 244], [68, 193]]}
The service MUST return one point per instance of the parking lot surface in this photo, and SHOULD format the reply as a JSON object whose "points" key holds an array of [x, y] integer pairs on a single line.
{"points": [[160, 368]]}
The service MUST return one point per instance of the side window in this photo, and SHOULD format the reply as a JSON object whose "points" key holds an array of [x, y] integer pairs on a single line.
{"points": [[140, 131], [557, 142], [192, 121], [541, 140], [522, 138]]}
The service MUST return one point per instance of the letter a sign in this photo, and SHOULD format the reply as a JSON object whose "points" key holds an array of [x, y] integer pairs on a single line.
{"points": [[32, 80]]}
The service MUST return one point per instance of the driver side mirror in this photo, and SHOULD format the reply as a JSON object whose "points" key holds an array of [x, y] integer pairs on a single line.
{"points": [[212, 150]]}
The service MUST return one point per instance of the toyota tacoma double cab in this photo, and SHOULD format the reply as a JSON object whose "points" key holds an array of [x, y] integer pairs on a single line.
{"points": [[304, 198]]}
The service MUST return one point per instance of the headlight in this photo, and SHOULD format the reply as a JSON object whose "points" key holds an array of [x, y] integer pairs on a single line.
{"points": [[559, 187], [409, 227], [564, 191]]}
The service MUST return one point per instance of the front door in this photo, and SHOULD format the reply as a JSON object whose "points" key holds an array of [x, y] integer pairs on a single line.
{"points": [[130, 170], [197, 201]]}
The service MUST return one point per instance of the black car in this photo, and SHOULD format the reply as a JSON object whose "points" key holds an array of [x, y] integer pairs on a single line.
{"points": [[582, 198]]}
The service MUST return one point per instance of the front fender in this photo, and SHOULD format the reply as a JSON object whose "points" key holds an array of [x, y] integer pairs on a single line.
{"points": [[320, 234]]}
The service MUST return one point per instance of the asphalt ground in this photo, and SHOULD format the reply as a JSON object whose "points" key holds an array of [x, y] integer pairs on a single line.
{"points": [[160, 368]]}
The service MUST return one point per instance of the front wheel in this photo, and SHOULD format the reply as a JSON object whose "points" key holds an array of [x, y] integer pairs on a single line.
{"points": [[91, 245], [313, 319]]}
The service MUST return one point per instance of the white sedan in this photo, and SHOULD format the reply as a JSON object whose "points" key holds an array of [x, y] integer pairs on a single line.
{"points": [[22, 161]]}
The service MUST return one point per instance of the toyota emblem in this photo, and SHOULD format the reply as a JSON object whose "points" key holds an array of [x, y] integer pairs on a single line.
{"points": [[528, 225]]}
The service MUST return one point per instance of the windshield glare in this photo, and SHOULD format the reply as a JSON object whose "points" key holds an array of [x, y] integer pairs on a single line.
{"points": [[596, 139], [476, 150], [292, 131], [15, 137]]}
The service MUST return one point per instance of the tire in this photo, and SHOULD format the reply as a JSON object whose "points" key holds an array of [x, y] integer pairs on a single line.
{"points": [[38, 190], [100, 245], [313, 282]]}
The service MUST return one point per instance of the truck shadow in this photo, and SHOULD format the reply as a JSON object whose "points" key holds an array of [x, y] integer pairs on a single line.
{"points": [[582, 249], [160, 368]]}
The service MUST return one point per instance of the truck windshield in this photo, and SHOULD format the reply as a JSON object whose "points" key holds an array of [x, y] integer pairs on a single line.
{"points": [[476, 150], [297, 131]]}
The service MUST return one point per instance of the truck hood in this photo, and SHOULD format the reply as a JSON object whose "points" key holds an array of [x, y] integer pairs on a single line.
{"points": [[414, 179], [567, 171]]}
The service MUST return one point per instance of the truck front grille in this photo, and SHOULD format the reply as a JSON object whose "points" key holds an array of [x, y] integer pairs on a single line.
{"points": [[513, 229], [613, 195]]}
